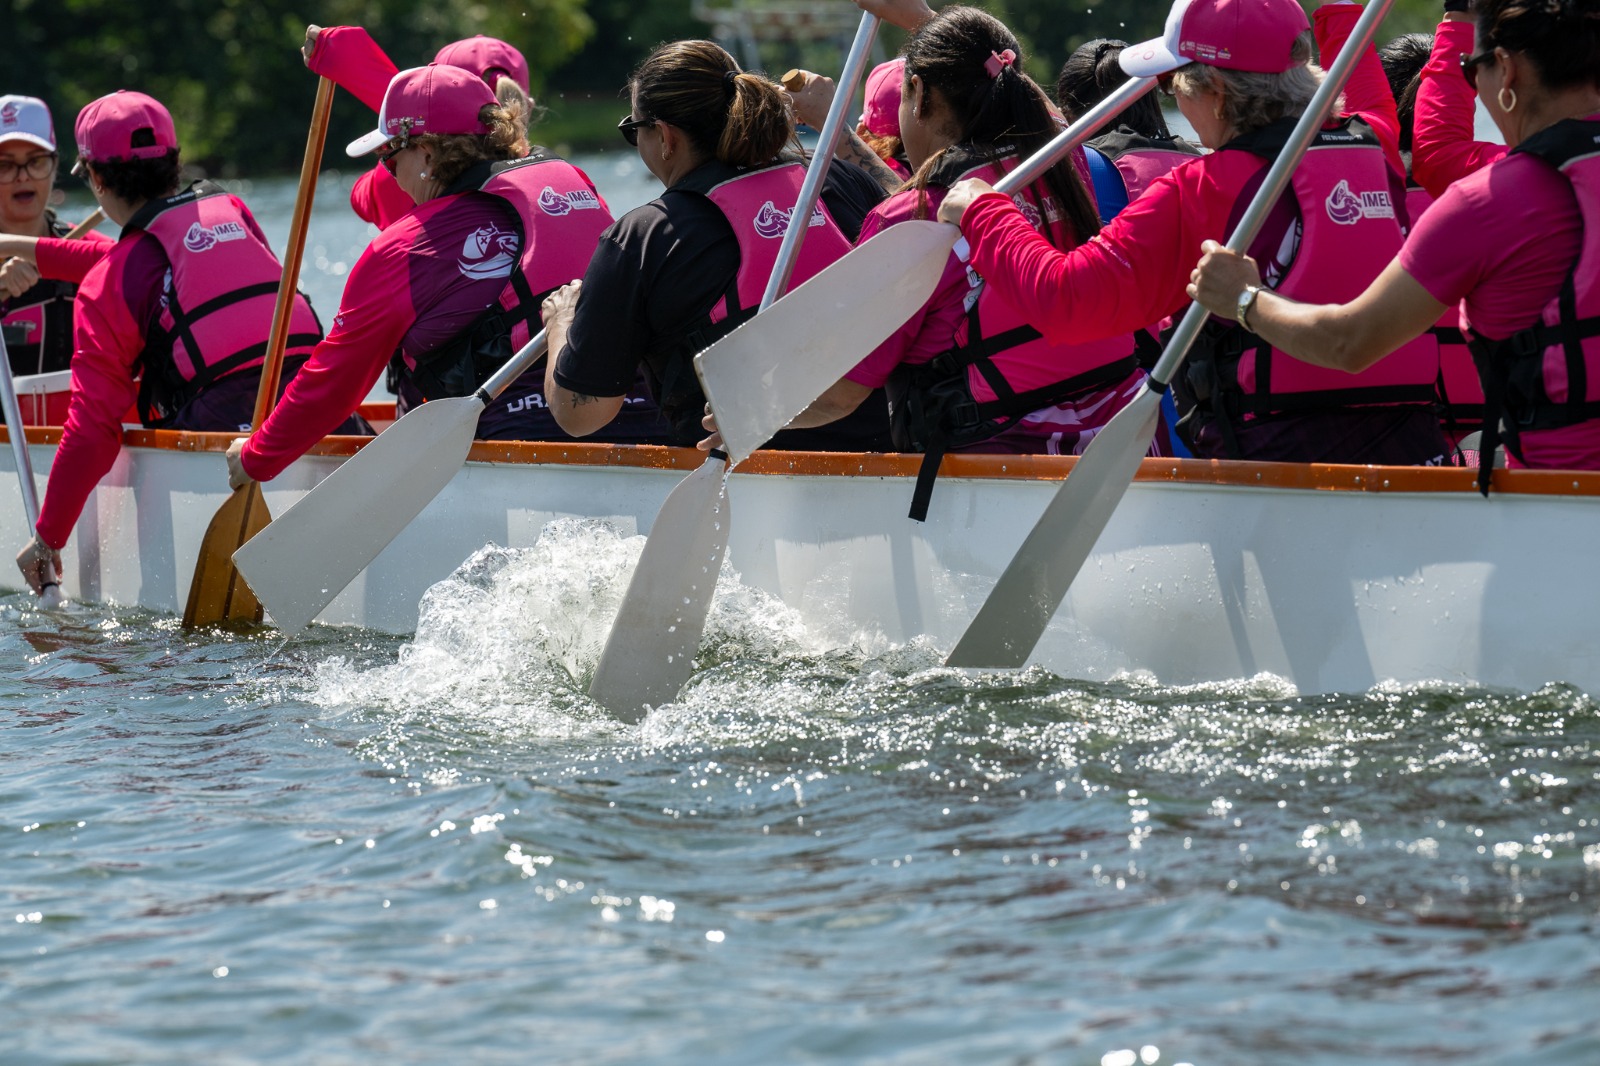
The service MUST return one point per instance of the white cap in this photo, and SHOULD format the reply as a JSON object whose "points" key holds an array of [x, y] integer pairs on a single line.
{"points": [[26, 118]]}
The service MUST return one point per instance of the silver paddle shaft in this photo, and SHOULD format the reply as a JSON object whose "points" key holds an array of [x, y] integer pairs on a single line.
{"points": [[514, 368], [821, 160], [19, 439], [1090, 123], [1278, 176]]}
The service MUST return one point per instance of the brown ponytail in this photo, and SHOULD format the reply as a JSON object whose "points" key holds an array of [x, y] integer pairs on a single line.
{"points": [[738, 117]]}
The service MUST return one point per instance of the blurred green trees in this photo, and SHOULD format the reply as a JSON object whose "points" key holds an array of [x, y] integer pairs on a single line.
{"points": [[230, 70]]}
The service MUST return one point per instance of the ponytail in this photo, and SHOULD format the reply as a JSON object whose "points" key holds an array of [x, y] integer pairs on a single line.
{"points": [[737, 117]]}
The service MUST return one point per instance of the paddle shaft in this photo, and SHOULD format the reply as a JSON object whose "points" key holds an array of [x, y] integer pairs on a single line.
{"points": [[513, 369], [96, 217], [1277, 179], [283, 311], [855, 65], [19, 438]]}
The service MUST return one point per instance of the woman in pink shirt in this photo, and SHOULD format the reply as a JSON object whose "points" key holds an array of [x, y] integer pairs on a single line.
{"points": [[1504, 242], [1443, 147], [1241, 72]]}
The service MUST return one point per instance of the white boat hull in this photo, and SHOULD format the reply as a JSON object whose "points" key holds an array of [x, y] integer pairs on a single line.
{"points": [[1192, 581]]}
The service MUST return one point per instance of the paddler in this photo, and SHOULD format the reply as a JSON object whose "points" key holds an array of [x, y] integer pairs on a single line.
{"points": [[38, 275], [1513, 243], [448, 291], [173, 321], [965, 372], [687, 268], [1242, 74]]}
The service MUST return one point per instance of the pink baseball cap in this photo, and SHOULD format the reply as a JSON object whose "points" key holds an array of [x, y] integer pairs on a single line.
{"points": [[1254, 35], [881, 118], [26, 118], [488, 57], [437, 98], [108, 127]]}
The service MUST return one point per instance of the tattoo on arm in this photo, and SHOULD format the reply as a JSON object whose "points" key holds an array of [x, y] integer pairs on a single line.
{"points": [[580, 399], [853, 149]]}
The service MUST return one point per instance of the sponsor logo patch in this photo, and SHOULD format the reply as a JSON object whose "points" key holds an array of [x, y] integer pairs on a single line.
{"points": [[558, 203], [489, 252], [8, 114], [773, 221], [1347, 207], [204, 238]]}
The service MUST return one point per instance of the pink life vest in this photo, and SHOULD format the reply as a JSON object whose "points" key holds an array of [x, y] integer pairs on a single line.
{"points": [[758, 203], [1547, 376], [38, 323], [562, 217], [972, 391], [1460, 392], [1141, 160], [216, 303], [1346, 213]]}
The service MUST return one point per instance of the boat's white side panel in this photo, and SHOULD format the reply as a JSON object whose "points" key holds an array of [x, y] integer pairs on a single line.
{"points": [[1332, 590]]}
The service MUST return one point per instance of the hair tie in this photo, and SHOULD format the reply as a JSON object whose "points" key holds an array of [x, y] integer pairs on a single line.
{"points": [[999, 61], [728, 78]]}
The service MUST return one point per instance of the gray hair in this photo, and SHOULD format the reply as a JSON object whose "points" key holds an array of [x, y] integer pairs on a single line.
{"points": [[1251, 101]]}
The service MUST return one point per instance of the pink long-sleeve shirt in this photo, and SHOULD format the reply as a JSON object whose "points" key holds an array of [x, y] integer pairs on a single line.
{"points": [[352, 59], [1442, 145], [64, 260]]}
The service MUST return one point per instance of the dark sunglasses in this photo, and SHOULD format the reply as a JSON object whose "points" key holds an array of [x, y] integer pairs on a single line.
{"points": [[388, 153], [629, 127], [1470, 65]]}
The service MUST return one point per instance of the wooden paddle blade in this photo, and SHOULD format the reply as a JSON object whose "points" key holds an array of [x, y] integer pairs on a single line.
{"points": [[650, 652], [217, 594], [299, 563], [1014, 617], [770, 369]]}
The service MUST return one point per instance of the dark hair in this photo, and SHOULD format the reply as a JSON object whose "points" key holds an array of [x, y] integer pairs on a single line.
{"points": [[739, 118], [992, 115], [456, 153], [1561, 37], [1403, 59], [136, 180], [1091, 74]]}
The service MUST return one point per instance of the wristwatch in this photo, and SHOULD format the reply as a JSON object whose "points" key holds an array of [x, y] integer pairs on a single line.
{"points": [[1247, 300]]}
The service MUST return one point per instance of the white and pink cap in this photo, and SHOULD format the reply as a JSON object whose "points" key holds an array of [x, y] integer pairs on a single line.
{"points": [[1253, 35], [124, 125], [488, 57], [437, 98], [26, 118]]}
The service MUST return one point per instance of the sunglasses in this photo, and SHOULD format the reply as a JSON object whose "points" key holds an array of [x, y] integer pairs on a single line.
{"points": [[389, 153], [629, 127], [1470, 65]]}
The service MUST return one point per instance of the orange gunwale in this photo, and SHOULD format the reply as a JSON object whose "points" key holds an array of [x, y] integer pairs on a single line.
{"points": [[1320, 476]]}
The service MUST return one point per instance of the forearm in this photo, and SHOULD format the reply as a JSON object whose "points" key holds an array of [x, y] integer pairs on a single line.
{"points": [[1442, 145], [852, 149], [579, 413], [323, 393], [841, 399]]}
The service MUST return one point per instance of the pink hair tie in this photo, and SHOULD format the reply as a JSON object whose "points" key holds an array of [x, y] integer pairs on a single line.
{"points": [[999, 61]]}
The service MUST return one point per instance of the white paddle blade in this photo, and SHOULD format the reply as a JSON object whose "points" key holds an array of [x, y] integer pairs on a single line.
{"points": [[761, 375], [299, 563], [651, 649], [1013, 618]]}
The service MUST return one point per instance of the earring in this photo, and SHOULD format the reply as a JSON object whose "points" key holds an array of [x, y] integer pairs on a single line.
{"points": [[1500, 98], [422, 175]]}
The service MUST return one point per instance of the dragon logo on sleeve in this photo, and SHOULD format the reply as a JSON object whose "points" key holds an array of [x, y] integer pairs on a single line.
{"points": [[489, 252]]}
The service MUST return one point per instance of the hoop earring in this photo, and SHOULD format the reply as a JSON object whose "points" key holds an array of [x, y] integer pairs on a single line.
{"points": [[1500, 98]]}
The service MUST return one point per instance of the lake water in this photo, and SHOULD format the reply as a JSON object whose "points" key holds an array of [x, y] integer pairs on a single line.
{"points": [[354, 848]]}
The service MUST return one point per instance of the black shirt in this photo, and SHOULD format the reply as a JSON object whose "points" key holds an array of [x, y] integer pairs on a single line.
{"points": [[658, 272]]}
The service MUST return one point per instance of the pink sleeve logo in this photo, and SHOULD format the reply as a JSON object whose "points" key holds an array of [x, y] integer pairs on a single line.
{"points": [[489, 252]]}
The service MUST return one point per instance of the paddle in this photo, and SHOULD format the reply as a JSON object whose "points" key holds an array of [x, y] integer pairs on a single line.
{"points": [[96, 217], [299, 563], [1010, 622], [763, 374], [650, 650], [50, 594], [216, 592]]}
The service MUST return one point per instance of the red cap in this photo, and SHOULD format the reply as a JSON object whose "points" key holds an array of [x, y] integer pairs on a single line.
{"points": [[105, 130], [488, 57], [1254, 35], [881, 118], [436, 99]]}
